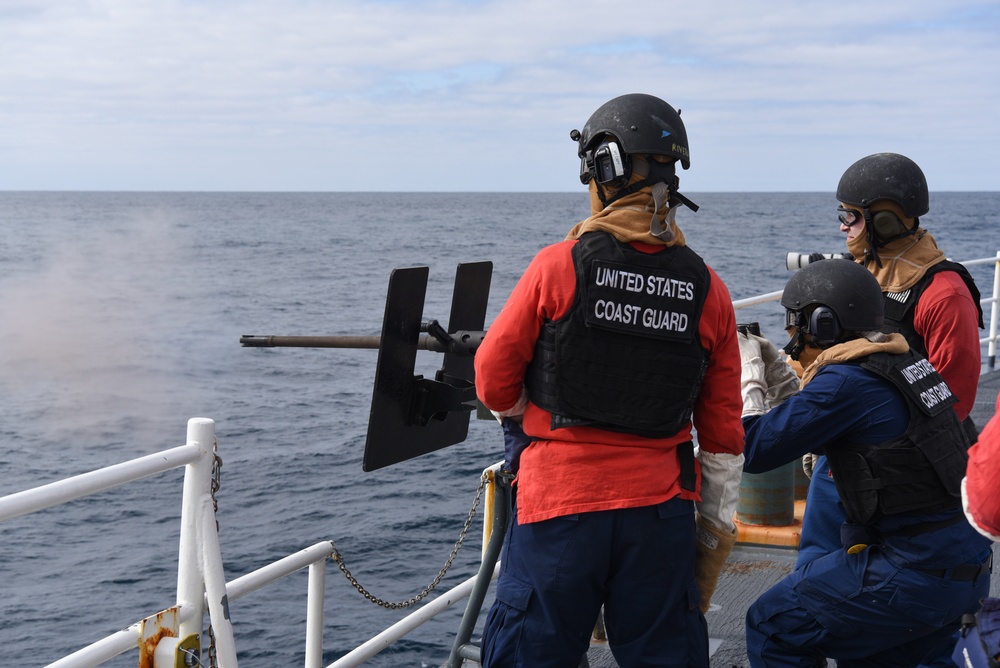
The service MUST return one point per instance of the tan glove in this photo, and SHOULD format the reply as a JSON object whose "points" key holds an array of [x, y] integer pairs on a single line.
{"points": [[712, 548]]}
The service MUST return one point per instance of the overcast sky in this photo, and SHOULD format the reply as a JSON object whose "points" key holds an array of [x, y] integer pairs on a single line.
{"points": [[446, 95]]}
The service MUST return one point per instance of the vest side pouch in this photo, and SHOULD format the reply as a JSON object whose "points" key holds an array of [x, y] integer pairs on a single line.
{"points": [[856, 484]]}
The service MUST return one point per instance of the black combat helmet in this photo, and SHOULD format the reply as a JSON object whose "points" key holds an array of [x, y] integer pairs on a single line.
{"points": [[642, 124], [634, 124], [885, 176], [846, 297]]}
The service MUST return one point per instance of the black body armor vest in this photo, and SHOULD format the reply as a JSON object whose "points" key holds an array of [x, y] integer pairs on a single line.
{"points": [[920, 471], [900, 308], [627, 356]]}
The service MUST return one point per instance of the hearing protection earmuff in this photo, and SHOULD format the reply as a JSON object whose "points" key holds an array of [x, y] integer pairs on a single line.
{"points": [[824, 327], [887, 225], [881, 227], [607, 164]]}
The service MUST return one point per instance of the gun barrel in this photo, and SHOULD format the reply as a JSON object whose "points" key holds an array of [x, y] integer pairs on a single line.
{"points": [[371, 342]]}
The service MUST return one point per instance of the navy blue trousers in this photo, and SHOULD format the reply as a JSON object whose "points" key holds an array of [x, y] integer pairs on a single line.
{"points": [[823, 516], [821, 536], [555, 576], [862, 610]]}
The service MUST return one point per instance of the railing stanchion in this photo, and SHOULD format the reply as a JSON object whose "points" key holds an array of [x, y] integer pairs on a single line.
{"points": [[197, 487], [314, 614], [991, 350], [215, 588], [500, 519]]}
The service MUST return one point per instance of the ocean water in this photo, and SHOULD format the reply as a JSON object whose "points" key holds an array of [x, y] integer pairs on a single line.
{"points": [[120, 318]]}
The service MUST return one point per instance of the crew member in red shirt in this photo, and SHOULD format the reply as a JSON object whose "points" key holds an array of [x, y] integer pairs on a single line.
{"points": [[931, 301], [611, 344]]}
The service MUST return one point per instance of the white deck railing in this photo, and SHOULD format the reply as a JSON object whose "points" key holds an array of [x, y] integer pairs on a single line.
{"points": [[163, 638], [200, 576], [991, 340]]}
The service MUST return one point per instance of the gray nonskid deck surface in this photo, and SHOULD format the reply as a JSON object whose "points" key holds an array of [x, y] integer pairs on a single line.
{"points": [[986, 397], [748, 573]]}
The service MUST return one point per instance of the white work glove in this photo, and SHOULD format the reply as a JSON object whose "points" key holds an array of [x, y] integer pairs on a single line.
{"points": [[715, 529], [753, 385], [721, 473], [780, 378]]}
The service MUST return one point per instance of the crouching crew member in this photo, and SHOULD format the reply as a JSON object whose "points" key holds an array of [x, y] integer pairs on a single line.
{"points": [[910, 565]]}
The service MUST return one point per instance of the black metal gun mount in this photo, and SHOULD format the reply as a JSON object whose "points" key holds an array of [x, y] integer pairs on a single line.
{"points": [[412, 415]]}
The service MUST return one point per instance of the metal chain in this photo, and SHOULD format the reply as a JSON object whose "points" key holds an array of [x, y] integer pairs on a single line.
{"points": [[216, 480], [215, 486], [336, 556], [213, 660]]}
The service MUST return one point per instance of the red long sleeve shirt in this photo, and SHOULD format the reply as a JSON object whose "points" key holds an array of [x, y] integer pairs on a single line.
{"points": [[947, 319], [584, 469]]}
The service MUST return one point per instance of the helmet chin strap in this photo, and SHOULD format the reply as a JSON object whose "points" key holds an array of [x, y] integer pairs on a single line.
{"points": [[798, 342], [795, 345], [875, 242], [661, 197], [659, 173]]}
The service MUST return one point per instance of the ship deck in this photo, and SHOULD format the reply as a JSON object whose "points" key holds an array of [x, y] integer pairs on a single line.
{"points": [[761, 558]]}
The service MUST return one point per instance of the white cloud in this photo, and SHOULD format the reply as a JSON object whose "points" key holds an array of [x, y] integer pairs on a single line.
{"points": [[450, 95]]}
